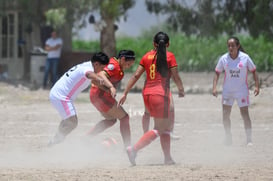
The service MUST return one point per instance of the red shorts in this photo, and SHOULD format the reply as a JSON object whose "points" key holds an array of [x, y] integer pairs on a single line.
{"points": [[157, 105], [102, 100]]}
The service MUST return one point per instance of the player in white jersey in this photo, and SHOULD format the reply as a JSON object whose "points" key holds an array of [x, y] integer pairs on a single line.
{"points": [[236, 65], [66, 89]]}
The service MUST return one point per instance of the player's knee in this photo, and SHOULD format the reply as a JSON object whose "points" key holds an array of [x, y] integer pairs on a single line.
{"points": [[125, 118], [165, 132], [110, 122]]}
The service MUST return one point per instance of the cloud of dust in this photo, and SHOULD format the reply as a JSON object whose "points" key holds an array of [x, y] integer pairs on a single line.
{"points": [[72, 153], [205, 146]]}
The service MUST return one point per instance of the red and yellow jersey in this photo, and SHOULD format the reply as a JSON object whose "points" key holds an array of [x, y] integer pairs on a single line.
{"points": [[114, 71], [155, 83]]}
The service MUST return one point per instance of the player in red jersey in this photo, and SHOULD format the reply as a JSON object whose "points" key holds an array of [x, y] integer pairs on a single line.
{"points": [[102, 99], [160, 65]]}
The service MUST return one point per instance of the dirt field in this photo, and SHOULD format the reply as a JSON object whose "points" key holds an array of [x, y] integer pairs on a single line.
{"points": [[28, 121]]}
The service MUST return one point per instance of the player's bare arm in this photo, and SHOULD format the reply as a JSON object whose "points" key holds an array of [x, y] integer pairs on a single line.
{"points": [[131, 83], [215, 81], [104, 83], [178, 81], [257, 86]]}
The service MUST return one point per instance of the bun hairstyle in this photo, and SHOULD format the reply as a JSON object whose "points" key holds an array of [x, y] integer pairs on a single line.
{"points": [[161, 40], [101, 58], [128, 54]]}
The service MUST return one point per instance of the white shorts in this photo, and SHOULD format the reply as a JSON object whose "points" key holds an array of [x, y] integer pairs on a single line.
{"points": [[65, 108], [242, 100]]}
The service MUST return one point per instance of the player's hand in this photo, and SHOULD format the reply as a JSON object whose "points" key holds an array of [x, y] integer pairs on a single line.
{"points": [[256, 91], [181, 93], [113, 91], [101, 81], [122, 100], [214, 92]]}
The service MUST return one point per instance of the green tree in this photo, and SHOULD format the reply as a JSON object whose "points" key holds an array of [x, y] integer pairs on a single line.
{"points": [[34, 12], [253, 16], [214, 17], [111, 11]]}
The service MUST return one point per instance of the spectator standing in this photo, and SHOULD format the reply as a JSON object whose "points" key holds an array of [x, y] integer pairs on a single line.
{"points": [[53, 46]]}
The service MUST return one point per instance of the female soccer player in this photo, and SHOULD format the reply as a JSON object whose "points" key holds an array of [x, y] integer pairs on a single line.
{"points": [[105, 103], [159, 65], [66, 89], [236, 65]]}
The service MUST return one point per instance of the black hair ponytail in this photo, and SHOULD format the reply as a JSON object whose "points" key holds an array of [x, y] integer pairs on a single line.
{"points": [[161, 62], [161, 39]]}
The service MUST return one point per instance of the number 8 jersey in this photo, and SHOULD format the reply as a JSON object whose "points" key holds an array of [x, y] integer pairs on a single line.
{"points": [[156, 84]]}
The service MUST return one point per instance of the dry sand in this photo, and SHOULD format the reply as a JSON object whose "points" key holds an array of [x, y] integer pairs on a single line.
{"points": [[28, 121]]}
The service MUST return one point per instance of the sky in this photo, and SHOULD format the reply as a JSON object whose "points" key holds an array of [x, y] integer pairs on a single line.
{"points": [[138, 19]]}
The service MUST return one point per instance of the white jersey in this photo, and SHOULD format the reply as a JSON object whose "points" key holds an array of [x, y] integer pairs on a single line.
{"points": [[236, 71], [72, 82], [53, 42]]}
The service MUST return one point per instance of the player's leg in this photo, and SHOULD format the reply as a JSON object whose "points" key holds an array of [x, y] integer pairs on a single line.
{"points": [[153, 105], [103, 103], [227, 124], [247, 124], [243, 103], [69, 118], [172, 119], [101, 126], [145, 140], [65, 127], [164, 126], [165, 141], [146, 120], [121, 114]]}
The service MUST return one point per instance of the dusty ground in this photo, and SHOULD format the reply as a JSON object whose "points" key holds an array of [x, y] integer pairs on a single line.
{"points": [[28, 121]]}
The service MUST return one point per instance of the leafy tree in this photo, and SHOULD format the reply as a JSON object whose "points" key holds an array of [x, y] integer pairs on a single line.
{"points": [[214, 17], [111, 11], [253, 16], [34, 13]]}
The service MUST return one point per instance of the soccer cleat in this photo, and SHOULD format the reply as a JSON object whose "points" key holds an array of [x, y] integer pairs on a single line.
{"points": [[131, 155]]}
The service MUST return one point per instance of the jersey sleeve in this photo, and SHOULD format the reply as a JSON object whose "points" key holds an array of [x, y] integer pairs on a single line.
{"points": [[87, 69], [112, 69], [142, 61], [172, 61], [250, 65], [220, 65]]}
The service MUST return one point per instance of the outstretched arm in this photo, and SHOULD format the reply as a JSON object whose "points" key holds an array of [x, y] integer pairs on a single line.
{"points": [[131, 83], [178, 81]]}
